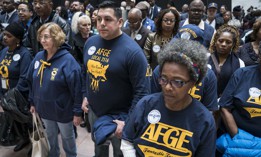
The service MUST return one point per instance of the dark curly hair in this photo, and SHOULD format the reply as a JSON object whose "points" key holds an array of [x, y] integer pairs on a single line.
{"points": [[189, 53], [160, 18], [226, 28]]}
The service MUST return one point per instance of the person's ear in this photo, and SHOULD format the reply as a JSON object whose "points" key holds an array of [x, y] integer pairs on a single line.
{"points": [[120, 22]]}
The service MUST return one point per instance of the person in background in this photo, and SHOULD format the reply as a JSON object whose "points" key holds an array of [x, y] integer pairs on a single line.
{"points": [[114, 64], [88, 8], [171, 122], [67, 4], [82, 33], [166, 28], [246, 28], [74, 7], [154, 10], [44, 14], [196, 10], [227, 16], [184, 12], [224, 61], [249, 51], [94, 22], [135, 30], [146, 22], [55, 94], [212, 19], [1, 7], [124, 11], [170, 4], [240, 132], [222, 10], [25, 13], [9, 13], [14, 63], [237, 17], [62, 12]]}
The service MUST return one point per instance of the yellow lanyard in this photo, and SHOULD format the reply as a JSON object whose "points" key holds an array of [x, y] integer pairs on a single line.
{"points": [[41, 70]]}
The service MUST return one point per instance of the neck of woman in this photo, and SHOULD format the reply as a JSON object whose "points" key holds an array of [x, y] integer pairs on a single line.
{"points": [[85, 35], [166, 34], [222, 58], [12, 48], [180, 105], [51, 52]]}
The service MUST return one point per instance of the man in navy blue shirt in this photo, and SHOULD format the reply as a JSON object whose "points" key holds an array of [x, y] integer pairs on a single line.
{"points": [[115, 74]]}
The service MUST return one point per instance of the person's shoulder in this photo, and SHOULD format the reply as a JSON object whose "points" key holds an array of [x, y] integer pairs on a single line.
{"points": [[34, 21], [24, 51], [94, 38], [246, 45], [144, 30], [148, 20], [210, 73], [251, 68], [151, 35], [151, 99], [201, 111], [39, 55], [208, 27]]}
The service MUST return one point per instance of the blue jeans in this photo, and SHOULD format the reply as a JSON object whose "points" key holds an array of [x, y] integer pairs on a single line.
{"points": [[103, 150], [67, 134]]}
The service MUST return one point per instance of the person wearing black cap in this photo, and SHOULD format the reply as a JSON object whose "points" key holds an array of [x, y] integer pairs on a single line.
{"points": [[212, 19], [14, 63]]}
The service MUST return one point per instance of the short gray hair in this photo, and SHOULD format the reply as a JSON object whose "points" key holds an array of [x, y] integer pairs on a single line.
{"points": [[189, 53]]}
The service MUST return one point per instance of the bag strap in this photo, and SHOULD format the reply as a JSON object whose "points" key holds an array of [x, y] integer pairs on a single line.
{"points": [[214, 59], [37, 123]]}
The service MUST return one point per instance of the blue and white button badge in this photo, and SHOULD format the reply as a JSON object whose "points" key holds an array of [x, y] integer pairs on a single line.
{"points": [[91, 50], [36, 64], [154, 116], [254, 92]]}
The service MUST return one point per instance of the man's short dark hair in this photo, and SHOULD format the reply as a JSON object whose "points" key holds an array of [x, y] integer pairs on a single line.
{"points": [[112, 5], [29, 5]]}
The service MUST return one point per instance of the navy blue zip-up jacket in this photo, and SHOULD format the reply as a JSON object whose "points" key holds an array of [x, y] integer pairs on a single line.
{"points": [[57, 95]]}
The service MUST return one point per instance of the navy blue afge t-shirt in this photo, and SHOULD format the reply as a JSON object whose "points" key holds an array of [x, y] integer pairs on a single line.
{"points": [[242, 96], [157, 131]]}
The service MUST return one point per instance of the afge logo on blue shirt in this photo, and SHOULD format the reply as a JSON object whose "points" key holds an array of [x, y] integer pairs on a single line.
{"points": [[154, 116]]}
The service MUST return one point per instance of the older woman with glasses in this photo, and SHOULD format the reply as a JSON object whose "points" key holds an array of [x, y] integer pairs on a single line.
{"points": [[166, 28], [55, 93], [172, 123]]}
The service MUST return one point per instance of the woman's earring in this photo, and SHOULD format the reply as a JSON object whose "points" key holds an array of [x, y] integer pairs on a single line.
{"points": [[17, 44]]}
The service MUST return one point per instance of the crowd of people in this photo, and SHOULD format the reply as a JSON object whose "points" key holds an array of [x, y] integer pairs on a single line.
{"points": [[151, 81]]}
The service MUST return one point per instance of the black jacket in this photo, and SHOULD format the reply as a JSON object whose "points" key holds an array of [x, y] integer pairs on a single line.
{"points": [[31, 42]]}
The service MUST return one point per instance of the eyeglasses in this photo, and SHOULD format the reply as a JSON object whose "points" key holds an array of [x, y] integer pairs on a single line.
{"points": [[169, 20], [22, 10], [174, 83], [44, 37]]}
